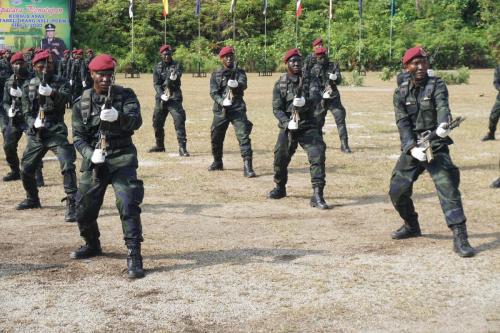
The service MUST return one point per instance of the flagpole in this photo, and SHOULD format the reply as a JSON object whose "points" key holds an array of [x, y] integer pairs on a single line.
{"points": [[165, 29], [329, 32], [199, 44], [132, 38], [360, 36], [296, 31], [390, 33]]}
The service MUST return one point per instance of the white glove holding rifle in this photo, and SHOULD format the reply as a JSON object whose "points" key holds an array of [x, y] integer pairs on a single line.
{"points": [[418, 153]]}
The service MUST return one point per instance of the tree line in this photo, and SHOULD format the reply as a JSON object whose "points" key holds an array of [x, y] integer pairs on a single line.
{"points": [[455, 32]]}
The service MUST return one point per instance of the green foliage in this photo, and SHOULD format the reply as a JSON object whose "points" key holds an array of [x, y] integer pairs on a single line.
{"points": [[460, 76], [387, 74], [455, 32]]}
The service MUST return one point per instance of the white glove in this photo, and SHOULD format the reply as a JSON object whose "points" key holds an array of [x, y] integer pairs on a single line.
{"points": [[109, 115], [98, 156], [84, 84], [38, 123], [430, 72], [70, 82], [293, 125], [164, 97], [299, 102], [173, 76], [332, 76], [44, 91], [442, 131], [11, 112], [419, 154], [232, 84], [16, 92], [227, 102]]}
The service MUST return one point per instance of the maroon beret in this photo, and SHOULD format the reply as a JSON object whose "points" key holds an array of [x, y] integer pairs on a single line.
{"points": [[320, 51], [165, 47], [102, 62], [17, 56], [31, 49], [66, 51], [290, 53], [78, 51], [2, 51], [412, 53], [225, 51], [317, 41], [41, 56], [38, 50]]}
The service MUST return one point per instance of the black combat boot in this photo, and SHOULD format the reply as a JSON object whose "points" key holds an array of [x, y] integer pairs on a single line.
{"points": [[159, 147], [496, 183], [216, 165], [344, 146], [460, 241], [29, 203], [90, 249], [134, 262], [317, 199], [248, 168], [489, 136], [70, 214], [277, 193], [183, 150], [13, 175], [39, 178], [407, 230]]}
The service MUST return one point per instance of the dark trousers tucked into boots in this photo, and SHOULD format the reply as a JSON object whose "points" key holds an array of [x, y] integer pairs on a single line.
{"points": [[161, 111], [339, 114]]}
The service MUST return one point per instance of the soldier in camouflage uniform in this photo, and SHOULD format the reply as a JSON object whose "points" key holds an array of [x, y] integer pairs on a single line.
{"points": [[421, 104], [5, 73], [495, 111], [104, 120], [12, 120], [167, 83], [84, 70], [288, 103], [75, 75], [43, 103], [310, 60], [227, 86], [62, 66], [328, 74]]}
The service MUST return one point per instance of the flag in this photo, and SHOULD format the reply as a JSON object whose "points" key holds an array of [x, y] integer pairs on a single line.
{"points": [[165, 7], [360, 8], [130, 9], [393, 7], [299, 8], [264, 6], [198, 7], [233, 6], [330, 15]]}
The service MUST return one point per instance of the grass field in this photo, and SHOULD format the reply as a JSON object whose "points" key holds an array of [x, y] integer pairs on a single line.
{"points": [[220, 257]]}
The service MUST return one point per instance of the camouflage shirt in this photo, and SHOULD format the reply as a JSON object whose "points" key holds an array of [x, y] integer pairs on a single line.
{"points": [[285, 90], [219, 88], [419, 108], [161, 79]]}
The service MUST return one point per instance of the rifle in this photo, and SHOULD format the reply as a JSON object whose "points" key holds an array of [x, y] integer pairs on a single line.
{"points": [[425, 138], [15, 85], [167, 91], [42, 101], [104, 127], [228, 100], [330, 83], [295, 118]]}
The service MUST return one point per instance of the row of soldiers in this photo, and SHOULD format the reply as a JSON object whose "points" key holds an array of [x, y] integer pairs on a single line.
{"points": [[105, 117]]}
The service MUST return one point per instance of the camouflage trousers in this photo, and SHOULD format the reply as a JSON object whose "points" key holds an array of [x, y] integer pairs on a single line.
{"points": [[162, 109], [129, 192], [446, 177], [495, 115], [312, 142], [32, 159], [338, 111], [242, 128]]}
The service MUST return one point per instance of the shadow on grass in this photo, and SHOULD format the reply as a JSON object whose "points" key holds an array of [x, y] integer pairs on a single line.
{"points": [[488, 246], [188, 209], [363, 199], [201, 259], [14, 269]]}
